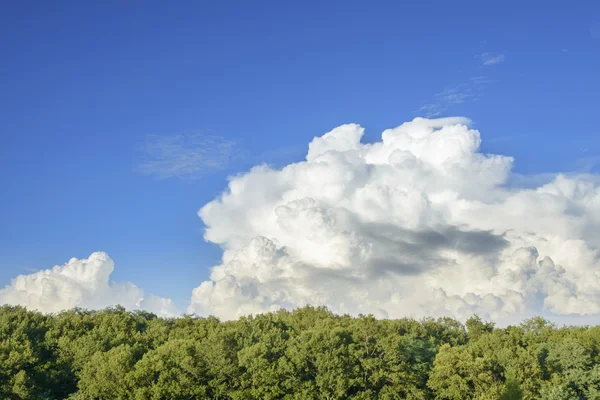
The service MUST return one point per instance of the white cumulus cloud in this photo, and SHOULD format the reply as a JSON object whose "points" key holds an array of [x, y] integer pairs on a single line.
{"points": [[81, 283], [419, 223]]}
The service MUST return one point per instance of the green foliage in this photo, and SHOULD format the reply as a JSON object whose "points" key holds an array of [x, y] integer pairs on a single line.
{"points": [[105, 376], [512, 387], [176, 370], [476, 327], [309, 353]]}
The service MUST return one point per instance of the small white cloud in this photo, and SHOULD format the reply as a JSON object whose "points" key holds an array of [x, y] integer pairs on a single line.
{"points": [[491, 58], [81, 283], [185, 155]]}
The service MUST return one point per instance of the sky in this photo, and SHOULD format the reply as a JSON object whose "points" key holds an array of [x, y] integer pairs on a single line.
{"points": [[123, 125]]}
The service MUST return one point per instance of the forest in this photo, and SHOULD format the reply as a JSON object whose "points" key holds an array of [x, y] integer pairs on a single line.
{"points": [[308, 353]]}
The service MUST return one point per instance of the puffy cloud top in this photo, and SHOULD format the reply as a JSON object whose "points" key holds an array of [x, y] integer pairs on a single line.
{"points": [[419, 223], [81, 283]]}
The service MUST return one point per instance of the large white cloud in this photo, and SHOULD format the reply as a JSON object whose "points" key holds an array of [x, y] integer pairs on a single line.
{"points": [[81, 283], [419, 223]]}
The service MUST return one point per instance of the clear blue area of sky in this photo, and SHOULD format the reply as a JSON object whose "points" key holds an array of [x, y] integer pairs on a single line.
{"points": [[82, 83]]}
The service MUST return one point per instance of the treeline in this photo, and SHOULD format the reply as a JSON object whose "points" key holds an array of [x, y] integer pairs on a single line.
{"points": [[309, 353]]}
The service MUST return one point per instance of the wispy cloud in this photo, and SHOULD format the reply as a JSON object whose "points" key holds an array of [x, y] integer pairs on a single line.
{"points": [[455, 95], [587, 164], [460, 93], [491, 58], [184, 155]]}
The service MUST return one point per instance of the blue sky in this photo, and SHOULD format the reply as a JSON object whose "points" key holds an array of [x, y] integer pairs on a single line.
{"points": [[85, 86]]}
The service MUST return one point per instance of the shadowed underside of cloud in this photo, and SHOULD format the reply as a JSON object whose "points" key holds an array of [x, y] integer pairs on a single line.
{"points": [[81, 283], [419, 223]]}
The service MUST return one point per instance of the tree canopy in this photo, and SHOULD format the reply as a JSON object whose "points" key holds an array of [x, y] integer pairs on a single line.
{"points": [[309, 353]]}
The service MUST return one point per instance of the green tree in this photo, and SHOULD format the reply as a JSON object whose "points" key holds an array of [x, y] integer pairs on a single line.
{"points": [[458, 374], [512, 387], [106, 375], [176, 370], [476, 327]]}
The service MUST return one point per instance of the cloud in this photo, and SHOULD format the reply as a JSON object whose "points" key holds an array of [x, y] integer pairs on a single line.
{"points": [[447, 99], [185, 155], [417, 224], [491, 58], [81, 283], [455, 95]]}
